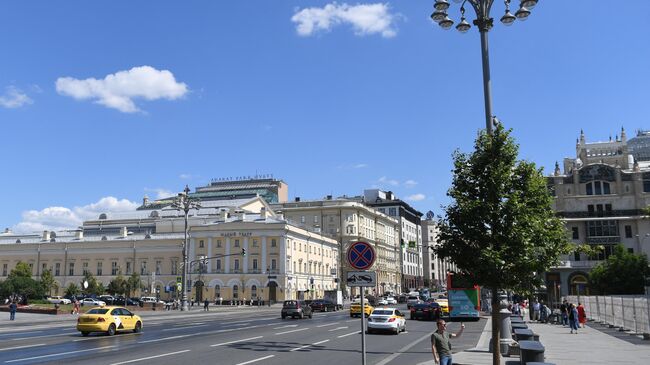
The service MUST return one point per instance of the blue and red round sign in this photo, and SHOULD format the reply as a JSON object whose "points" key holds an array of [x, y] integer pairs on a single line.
{"points": [[361, 255]]}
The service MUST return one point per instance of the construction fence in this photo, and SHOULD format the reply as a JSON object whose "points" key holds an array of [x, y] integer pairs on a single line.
{"points": [[627, 312]]}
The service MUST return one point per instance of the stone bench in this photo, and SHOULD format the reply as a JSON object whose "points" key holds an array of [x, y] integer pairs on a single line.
{"points": [[516, 326], [524, 334], [531, 351]]}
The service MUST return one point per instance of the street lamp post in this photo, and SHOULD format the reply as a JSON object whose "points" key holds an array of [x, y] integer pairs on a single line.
{"points": [[185, 203], [484, 23]]}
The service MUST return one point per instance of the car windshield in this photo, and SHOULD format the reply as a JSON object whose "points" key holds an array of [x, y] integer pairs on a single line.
{"points": [[383, 312], [97, 311]]}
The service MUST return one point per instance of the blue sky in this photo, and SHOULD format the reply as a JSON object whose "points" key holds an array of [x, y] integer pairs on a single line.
{"points": [[104, 102]]}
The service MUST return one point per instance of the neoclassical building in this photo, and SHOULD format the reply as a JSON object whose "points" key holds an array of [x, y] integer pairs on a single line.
{"points": [[282, 260], [601, 195]]}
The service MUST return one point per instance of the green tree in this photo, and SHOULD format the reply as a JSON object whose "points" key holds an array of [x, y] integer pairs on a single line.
{"points": [[133, 283], [500, 226], [20, 282], [622, 273], [118, 285], [47, 281], [72, 289], [94, 286]]}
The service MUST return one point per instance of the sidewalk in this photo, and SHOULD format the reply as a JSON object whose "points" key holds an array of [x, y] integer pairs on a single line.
{"points": [[589, 346]]}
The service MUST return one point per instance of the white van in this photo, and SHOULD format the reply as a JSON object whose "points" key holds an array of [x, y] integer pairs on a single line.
{"points": [[150, 300]]}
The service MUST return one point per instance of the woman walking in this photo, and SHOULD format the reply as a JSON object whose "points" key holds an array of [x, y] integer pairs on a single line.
{"points": [[573, 318], [582, 316]]}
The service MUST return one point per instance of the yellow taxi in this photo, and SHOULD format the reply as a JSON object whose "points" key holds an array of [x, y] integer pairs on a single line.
{"points": [[444, 306], [355, 309], [108, 319]]}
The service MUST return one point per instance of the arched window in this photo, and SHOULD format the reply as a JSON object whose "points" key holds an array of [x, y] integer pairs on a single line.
{"points": [[598, 188], [254, 292], [217, 291], [235, 291], [578, 285]]}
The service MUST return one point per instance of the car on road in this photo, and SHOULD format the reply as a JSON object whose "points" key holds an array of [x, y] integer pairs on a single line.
{"points": [[386, 319], [428, 311], [296, 309], [391, 300], [444, 306], [381, 301], [125, 301], [108, 299], [355, 309], [323, 305], [58, 300], [109, 320], [92, 302], [412, 300]]}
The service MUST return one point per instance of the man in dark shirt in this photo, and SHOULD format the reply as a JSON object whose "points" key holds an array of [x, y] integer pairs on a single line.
{"points": [[12, 311], [564, 311], [440, 344]]}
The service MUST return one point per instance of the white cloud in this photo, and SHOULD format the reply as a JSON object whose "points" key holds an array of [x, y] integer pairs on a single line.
{"points": [[162, 193], [364, 18], [386, 181], [14, 98], [119, 90], [62, 218], [185, 176], [410, 183], [416, 197]]}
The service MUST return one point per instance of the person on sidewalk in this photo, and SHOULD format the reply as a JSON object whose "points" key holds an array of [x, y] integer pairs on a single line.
{"points": [[12, 311], [440, 344], [536, 311], [573, 318], [543, 315], [582, 315], [564, 308], [206, 305]]}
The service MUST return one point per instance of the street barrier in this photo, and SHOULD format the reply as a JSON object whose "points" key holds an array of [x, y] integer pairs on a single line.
{"points": [[626, 312]]}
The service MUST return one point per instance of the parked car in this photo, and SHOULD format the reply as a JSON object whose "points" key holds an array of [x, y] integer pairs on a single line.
{"points": [[386, 319], [355, 309], [125, 301], [92, 302], [427, 311], [323, 305], [108, 299], [295, 309], [109, 320], [58, 300], [151, 300]]}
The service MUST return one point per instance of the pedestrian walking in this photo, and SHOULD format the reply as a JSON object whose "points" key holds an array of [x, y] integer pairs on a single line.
{"points": [[573, 318], [524, 309], [564, 311], [440, 343], [12, 311], [543, 315], [206, 305], [220, 300], [582, 315], [536, 311]]}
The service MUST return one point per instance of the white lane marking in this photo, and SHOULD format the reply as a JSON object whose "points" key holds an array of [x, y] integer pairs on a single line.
{"points": [[21, 347], [189, 324], [349, 334], [151, 357], [287, 326], [402, 350], [256, 360], [229, 342], [19, 333], [182, 328], [329, 324], [298, 330], [58, 354], [165, 338], [237, 325], [32, 337], [337, 328], [305, 346]]}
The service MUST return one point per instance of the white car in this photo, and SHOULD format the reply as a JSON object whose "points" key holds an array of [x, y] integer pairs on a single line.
{"points": [[59, 300], [382, 301], [412, 300], [386, 319], [391, 300], [92, 302]]}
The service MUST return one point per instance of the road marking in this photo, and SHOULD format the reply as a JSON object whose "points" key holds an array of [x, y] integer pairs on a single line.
{"points": [[21, 347], [337, 328], [58, 354], [150, 357], [402, 350], [256, 360], [104, 337], [237, 325], [287, 326], [19, 333], [164, 338], [228, 343], [182, 328], [300, 329], [32, 337], [349, 334], [329, 324], [352, 320], [305, 346]]}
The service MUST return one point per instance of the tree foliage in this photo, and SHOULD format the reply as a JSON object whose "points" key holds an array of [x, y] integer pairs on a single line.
{"points": [[20, 283], [500, 226], [95, 287], [622, 273], [133, 283], [72, 289], [47, 281], [118, 285]]}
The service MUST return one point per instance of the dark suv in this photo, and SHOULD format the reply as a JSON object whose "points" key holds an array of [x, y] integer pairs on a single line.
{"points": [[296, 309]]}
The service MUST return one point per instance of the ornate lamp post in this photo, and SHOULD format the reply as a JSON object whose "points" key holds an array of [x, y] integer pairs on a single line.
{"points": [[185, 203], [484, 23]]}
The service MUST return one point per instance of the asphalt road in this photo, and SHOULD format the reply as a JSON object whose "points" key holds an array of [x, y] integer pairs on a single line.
{"points": [[236, 338]]}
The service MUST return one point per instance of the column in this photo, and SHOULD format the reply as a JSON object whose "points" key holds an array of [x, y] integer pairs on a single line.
{"points": [[210, 265], [192, 251], [226, 261], [283, 255], [245, 258], [264, 255]]}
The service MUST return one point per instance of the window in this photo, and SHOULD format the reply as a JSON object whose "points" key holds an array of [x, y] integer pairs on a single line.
{"points": [[128, 267], [315, 219], [254, 292], [254, 243], [274, 264], [143, 268], [602, 228], [235, 291], [646, 186], [576, 235], [219, 264], [201, 244], [84, 268], [274, 243], [114, 268], [217, 291], [331, 219], [576, 256], [158, 267], [44, 267], [99, 268], [31, 267], [57, 269], [598, 188], [236, 264], [174, 267], [236, 243], [218, 243], [5, 267], [71, 269], [254, 264], [392, 212], [294, 267], [628, 231]]}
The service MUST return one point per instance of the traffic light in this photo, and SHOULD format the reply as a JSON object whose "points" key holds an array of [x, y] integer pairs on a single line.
{"points": [[243, 252], [401, 242]]}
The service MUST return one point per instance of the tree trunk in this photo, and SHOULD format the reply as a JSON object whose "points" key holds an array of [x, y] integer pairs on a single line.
{"points": [[496, 350]]}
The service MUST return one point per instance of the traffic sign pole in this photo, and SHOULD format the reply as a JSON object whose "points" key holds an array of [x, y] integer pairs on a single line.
{"points": [[361, 256], [363, 330]]}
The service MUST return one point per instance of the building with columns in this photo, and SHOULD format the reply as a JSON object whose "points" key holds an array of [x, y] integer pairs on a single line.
{"points": [[601, 195]]}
